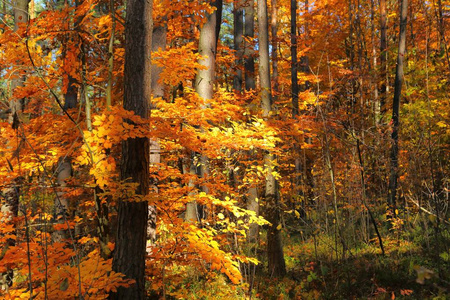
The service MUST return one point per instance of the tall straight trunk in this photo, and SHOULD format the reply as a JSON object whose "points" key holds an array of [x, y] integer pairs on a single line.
{"points": [[238, 16], [249, 33], [16, 105], [11, 193], [130, 250], [383, 59], [112, 12], [305, 59], [392, 191], [204, 84], [64, 166], [276, 264], [376, 100], [294, 63], [159, 40], [250, 84], [274, 30], [207, 49]]}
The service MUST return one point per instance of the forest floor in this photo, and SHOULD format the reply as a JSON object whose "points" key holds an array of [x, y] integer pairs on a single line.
{"points": [[319, 268]]}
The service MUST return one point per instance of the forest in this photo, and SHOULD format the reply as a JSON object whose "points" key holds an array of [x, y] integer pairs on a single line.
{"points": [[224, 149]]}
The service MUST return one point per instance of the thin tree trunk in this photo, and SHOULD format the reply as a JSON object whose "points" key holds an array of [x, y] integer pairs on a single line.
{"points": [[276, 264], [17, 105], [130, 250], [376, 100], [383, 60], [294, 62], [249, 28], [12, 194], [392, 191], [112, 12], [238, 15], [159, 40], [249, 67], [274, 29]]}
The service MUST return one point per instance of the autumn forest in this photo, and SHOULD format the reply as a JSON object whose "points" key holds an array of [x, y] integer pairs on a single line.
{"points": [[224, 149]]}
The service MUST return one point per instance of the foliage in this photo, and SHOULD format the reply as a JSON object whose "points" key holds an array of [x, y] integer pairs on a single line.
{"points": [[332, 164]]}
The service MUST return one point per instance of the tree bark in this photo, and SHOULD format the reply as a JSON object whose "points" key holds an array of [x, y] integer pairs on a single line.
{"points": [[392, 191], [130, 250], [204, 86], [16, 105], [274, 30], [276, 262], [383, 59], [238, 16], [159, 40], [249, 28], [294, 63]]}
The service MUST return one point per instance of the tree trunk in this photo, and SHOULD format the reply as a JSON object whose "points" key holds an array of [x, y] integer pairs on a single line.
{"points": [[16, 105], [376, 100], [249, 28], [204, 85], [276, 262], [238, 15], [130, 250], [112, 12], [11, 194], [274, 30], [383, 59], [159, 40], [392, 191], [294, 63]]}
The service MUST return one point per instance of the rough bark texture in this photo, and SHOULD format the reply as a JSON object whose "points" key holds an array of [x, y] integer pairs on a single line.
{"points": [[396, 105], [130, 250], [276, 262]]}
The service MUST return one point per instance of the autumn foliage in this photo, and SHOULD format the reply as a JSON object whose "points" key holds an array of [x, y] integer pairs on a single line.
{"points": [[332, 159]]}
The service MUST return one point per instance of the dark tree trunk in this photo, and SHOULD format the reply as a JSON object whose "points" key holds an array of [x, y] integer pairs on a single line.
{"points": [[249, 63], [238, 15], [396, 106], [130, 250], [383, 57], [294, 63]]}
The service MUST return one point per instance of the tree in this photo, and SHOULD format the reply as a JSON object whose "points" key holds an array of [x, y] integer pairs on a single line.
{"points": [[130, 249], [383, 59], [238, 17], [204, 86], [276, 262], [249, 28], [399, 74]]}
